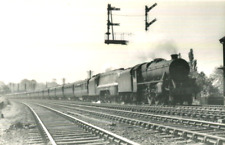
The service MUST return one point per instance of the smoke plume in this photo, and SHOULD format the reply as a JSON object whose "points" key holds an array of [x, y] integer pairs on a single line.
{"points": [[109, 69], [169, 47], [162, 50]]}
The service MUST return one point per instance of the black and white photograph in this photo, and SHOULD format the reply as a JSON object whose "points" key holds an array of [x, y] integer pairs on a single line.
{"points": [[124, 72]]}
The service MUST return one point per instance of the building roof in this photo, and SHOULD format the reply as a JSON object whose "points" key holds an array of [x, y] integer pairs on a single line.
{"points": [[222, 40]]}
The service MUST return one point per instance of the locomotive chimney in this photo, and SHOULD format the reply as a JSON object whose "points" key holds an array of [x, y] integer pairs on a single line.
{"points": [[174, 56]]}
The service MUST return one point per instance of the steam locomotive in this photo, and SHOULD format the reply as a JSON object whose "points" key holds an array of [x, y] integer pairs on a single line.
{"points": [[157, 82]]}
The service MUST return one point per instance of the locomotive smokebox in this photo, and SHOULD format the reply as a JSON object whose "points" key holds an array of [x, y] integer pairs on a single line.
{"points": [[174, 56]]}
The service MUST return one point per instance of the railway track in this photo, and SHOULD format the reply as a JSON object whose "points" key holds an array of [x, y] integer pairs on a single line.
{"points": [[165, 118], [197, 112], [59, 128], [33, 135], [207, 132]]}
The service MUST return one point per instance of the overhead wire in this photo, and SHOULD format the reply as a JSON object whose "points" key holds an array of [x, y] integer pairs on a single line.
{"points": [[129, 15]]}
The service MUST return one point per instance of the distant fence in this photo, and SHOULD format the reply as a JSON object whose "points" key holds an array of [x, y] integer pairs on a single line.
{"points": [[212, 100]]}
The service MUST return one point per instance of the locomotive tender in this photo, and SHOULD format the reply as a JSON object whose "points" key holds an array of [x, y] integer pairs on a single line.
{"points": [[157, 82]]}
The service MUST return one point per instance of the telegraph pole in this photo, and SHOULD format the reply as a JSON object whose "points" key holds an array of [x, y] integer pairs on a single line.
{"points": [[147, 9], [90, 72], [64, 81]]}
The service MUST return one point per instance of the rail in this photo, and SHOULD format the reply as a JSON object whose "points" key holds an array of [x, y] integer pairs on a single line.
{"points": [[40, 123], [103, 133], [207, 138]]}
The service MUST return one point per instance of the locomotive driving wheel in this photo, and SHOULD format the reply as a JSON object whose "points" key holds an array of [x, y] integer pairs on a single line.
{"points": [[158, 100], [189, 99], [161, 100], [151, 100], [171, 100], [148, 97]]}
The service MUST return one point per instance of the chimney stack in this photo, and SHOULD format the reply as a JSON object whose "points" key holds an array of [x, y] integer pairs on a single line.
{"points": [[174, 56]]}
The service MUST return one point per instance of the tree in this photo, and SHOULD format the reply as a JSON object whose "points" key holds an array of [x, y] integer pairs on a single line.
{"points": [[27, 85], [4, 89], [204, 85], [217, 79], [40, 86]]}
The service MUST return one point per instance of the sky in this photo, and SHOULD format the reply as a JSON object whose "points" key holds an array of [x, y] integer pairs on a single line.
{"points": [[55, 39]]}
